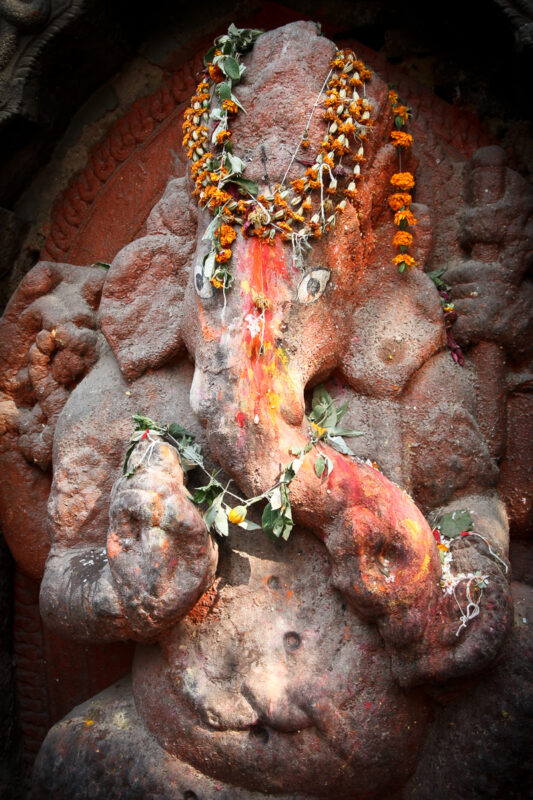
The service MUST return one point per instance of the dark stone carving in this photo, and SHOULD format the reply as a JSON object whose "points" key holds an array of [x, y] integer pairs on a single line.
{"points": [[302, 670], [485, 355]]}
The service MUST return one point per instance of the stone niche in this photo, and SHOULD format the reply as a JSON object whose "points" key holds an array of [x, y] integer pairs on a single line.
{"points": [[360, 653]]}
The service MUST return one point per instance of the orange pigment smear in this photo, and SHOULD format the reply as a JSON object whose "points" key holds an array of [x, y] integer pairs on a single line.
{"points": [[264, 367]]}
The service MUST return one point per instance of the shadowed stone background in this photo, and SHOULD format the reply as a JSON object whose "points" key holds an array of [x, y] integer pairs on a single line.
{"points": [[70, 68]]}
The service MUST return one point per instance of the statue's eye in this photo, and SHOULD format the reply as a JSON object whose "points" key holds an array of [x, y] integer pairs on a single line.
{"points": [[313, 285], [203, 286]]}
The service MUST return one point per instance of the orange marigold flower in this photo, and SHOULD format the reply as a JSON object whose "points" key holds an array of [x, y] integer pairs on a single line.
{"points": [[305, 142], [223, 255], [215, 197], [393, 97], [401, 139], [226, 235], [400, 200], [230, 107], [402, 239], [215, 73], [403, 180], [285, 226], [406, 215], [298, 185], [216, 283], [402, 112], [223, 136], [405, 258]]}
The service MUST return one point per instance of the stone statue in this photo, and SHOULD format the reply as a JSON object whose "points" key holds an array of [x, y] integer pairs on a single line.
{"points": [[294, 669]]}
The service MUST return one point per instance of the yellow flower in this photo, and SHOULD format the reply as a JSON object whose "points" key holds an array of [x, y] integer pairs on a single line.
{"points": [[402, 239], [223, 255], [321, 431], [406, 259], [400, 200], [402, 112], [226, 235], [230, 107], [216, 283], [215, 73], [406, 215], [403, 180], [237, 514], [401, 139], [223, 136]]}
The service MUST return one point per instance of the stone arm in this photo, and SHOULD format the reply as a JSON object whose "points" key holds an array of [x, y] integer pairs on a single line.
{"points": [[452, 468], [158, 559]]}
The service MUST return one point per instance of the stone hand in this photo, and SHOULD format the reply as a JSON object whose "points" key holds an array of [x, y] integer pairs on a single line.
{"points": [[160, 553]]}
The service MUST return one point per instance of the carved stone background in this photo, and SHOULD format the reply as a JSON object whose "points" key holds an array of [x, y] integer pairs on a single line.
{"points": [[53, 55]]}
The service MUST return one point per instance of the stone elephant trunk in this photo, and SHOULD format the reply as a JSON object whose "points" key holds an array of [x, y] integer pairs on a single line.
{"points": [[249, 391]]}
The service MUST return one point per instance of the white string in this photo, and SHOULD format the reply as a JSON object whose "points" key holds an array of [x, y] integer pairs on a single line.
{"points": [[306, 127]]}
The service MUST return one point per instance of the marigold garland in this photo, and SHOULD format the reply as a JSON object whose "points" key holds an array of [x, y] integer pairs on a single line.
{"points": [[402, 182], [306, 208]]}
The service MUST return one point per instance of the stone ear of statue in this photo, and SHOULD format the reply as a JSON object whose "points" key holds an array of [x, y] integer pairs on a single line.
{"points": [[141, 312]]}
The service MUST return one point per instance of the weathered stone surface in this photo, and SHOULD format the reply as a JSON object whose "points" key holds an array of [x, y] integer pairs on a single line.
{"points": [[303, 667]]}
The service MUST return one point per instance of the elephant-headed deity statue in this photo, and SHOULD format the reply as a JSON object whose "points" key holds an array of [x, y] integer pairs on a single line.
{"points": [[276, 352]]}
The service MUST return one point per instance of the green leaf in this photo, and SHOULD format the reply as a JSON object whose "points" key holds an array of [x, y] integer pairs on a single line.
{"points": [[338, 443], [211, 228], [231, 68], [209, 492], [102, 264], [210, 514], [129, 451], [401, 267], [320, 465], [142, 423], [234, 164], [246, 184], [268, 518], [323, 411], [221, 520], [178, 432], [398, 122], [209, 265], [345, 432], [248, 525], [453, 523], [224, 91], [209, 56], [341, 411]]}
